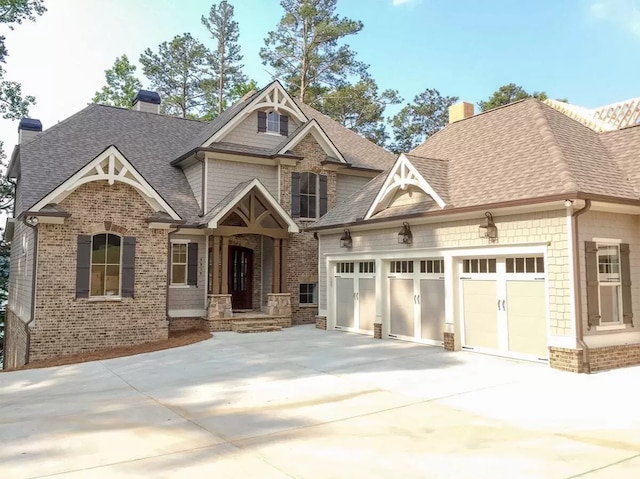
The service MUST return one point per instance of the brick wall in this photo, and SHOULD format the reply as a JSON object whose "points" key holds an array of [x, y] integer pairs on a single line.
{"points": [[303, 247], [66, 325], [15, 341], [614, 357]]}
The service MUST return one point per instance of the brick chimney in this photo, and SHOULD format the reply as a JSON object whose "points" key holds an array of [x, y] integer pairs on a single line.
{"points": [[460, 111], [148, 101], [28, 129]]}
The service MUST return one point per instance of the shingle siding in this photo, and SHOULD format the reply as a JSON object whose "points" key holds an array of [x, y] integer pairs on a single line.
{"points": [[246, 133], [223, 176], [346, 185], [21, 271], [194, 177]]}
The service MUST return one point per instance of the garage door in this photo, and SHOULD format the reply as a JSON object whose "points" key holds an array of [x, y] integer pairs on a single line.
{"points": [[355, 296], [503, 303], [416, 300]]}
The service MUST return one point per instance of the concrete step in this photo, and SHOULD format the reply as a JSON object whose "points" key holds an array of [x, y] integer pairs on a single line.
{"points": [[255, 326]]}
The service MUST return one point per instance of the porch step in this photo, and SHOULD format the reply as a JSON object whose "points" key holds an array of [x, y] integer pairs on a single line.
{"points": [[255, 326]]}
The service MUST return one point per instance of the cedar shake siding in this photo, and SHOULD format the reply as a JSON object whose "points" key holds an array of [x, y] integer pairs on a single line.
{"points": [[66, 324]]}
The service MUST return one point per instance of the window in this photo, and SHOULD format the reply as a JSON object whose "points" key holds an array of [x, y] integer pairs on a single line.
{"points": [[308, 195], [609, 283], [432, 266], [479, 265], [525, 265], [608, 276], [308, 293], [178, 263], [401, 267], [273, 122], [367, 267], [106, 259], [344, 267]]}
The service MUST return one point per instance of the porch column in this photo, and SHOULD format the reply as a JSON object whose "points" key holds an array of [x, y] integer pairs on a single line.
{"points": [[224, 280], [276, 286], [284, 285], [215, 266]]}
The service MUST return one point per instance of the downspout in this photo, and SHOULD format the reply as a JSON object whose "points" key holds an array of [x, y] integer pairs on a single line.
{"points": [[32, 222], [178, 227], [577, 281]]}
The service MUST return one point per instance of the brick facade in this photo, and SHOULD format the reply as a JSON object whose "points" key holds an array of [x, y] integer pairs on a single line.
{"points": [[65, 324], [449, 341], [303, 247], [600, 359]]}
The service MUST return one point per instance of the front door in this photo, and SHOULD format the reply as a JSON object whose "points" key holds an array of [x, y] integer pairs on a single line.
{"points": [[240, 276]]}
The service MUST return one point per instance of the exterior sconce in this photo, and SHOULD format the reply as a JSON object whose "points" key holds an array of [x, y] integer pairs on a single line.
{"points": [[488, 228], [345, 240], [405, 236]]}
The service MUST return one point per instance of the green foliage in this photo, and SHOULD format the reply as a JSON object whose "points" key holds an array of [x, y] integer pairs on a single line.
{"points": [[508, 94], [122, 84], [417, 121], [225, 56], [304, 49], [360, 107], [180, 72], [16, 11]]}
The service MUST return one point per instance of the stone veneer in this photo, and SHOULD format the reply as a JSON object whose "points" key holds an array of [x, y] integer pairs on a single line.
{"points": [[303, 247], [377, 330], [65, 324], [321, 322], [449, 341]]}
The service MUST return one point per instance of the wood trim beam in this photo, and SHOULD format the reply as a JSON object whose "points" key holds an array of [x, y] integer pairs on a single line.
{"points": [[224, 280], [240, 230], [276, 288], [215, 266], [284, 267]]}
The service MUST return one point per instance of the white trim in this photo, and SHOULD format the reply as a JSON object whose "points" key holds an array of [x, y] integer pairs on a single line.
{"points": [[187, 313], [572, 278], [103, 168], [401, 175], [274, 97], [255, 183], [611, 327], [320, 136], [607, 240], [51, 220], [186, 284]]}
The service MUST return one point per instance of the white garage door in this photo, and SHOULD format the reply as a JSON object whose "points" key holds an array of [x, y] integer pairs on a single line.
{"points": [[355, 287], [504, 308]]}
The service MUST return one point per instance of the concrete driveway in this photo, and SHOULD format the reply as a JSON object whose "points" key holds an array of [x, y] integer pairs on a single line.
{"points": [[306, 403]]}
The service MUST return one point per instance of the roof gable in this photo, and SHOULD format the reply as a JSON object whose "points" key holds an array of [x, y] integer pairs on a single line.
{"points": [[320, 136], [110, 166], [402, 175]]}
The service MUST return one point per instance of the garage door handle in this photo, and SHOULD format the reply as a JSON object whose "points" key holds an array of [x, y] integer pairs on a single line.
{"points": [[498, 305], [418, 298], [357, 296], [504, 302]]}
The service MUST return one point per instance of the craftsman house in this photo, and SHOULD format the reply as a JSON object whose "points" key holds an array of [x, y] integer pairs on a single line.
{"points": [[513, 232], [129, 223]]}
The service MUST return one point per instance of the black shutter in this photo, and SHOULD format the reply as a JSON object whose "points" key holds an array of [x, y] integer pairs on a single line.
{"points": [[83, 266], [593, 304], [295, 194], [192, 264], [128, 266], [284, 125], [262, 122], [625, 276], [323, 194]]}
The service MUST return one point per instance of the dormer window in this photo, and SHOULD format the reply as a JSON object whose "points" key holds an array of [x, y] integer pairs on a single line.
{"points": [[273, 123]]}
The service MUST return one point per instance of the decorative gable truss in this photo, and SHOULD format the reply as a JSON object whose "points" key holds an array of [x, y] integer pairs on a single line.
{"points": [[274, 98], [402, 176], [110, 166], [253, 210]]}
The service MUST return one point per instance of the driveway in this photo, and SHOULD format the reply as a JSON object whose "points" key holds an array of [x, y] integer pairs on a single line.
{"points": [[305, 403]]}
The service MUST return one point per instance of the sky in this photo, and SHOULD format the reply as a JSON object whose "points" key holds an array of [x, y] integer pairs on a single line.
{"points": [[583, 50]]}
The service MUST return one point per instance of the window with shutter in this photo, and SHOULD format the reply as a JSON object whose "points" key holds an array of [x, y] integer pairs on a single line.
{"points": [[323, 194], [262, 122], [192, 264], [295, 194]]}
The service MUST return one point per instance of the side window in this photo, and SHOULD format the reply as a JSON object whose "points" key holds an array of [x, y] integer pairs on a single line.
{"points": [[178, 263], [308, 293], [273, 122], [106, 261], [308, 195]]}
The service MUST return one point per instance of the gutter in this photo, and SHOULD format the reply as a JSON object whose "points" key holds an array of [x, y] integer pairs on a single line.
{"points": [[577, 282], [33, 224]]}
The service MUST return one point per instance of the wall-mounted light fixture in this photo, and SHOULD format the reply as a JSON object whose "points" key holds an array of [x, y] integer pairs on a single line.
{"points": [[405, 236], [488, 228], [345, 240]]}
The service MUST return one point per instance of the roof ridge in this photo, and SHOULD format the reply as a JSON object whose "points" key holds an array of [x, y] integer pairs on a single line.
{"points": [[161, 115], [555, 152]]}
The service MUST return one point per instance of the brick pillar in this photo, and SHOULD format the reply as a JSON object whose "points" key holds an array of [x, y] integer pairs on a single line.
{"points": [[377, 330], [321, 322], [449, 342]]}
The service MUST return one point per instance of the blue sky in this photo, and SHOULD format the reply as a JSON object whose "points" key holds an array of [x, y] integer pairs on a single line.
{"points": [[584, 50]]}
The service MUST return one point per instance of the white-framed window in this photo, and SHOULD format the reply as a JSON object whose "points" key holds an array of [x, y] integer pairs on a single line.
{"points": [[531, 264], [308, 195], [106, 265], [345, 267], [432, 266], [308, 293], [609, 283], [401, 266], [479, 265], [273, 122], [179, 263], [367, 266]]}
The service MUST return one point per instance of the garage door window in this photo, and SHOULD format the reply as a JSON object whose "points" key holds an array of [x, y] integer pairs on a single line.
{"points": [[345, 267], [479, 265], [402, 266], [432, 266], [525, 265], [367, 267], [608, 284]]}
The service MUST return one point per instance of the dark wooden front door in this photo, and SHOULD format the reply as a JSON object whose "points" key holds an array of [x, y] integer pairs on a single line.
{"points": [[240, 277]]}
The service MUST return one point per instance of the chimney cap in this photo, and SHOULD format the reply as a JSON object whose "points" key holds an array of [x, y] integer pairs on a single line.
{"points": [[147, 97], [30, 124]]}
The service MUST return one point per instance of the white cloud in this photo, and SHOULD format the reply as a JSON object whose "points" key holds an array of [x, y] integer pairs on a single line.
{"points": [[623, 13], [399, 3]]}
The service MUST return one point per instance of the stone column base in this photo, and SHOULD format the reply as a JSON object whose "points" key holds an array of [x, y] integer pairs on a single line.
{"points": [[377, 330], [449, 342], [321, 322], [279, 304], [219, 306]]}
